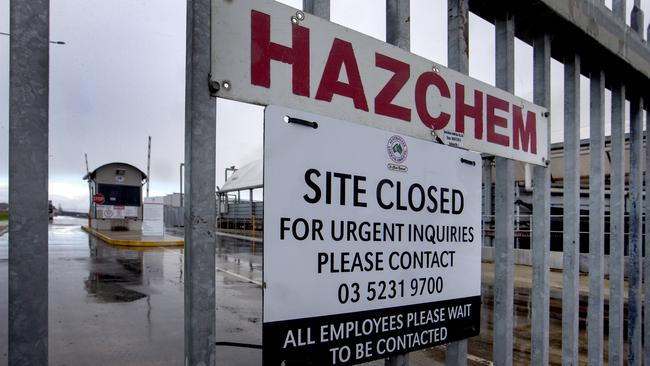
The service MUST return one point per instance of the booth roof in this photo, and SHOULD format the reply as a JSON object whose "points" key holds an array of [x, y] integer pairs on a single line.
{"points": [[92, 174]]}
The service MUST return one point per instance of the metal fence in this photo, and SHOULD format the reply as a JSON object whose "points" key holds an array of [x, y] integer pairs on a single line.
{"points": [[594, 41], [174, 216], [584, 35]]}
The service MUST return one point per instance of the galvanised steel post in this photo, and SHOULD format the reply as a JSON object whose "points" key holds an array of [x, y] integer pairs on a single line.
{"points": [[541, 244], [504, 205], [617, 211], [646, 263], [636, 18], [488, 178], [398, 33], [571, 219], [200, 163], [619, 9], [180, 169], [458, 59], [28, 174], [596, 219], [458, 35], [634, 356], [320, 8], [617, 227]]}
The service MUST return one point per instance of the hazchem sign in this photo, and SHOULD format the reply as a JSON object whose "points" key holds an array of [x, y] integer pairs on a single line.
{"points": [[372, 241], [267, 53]]}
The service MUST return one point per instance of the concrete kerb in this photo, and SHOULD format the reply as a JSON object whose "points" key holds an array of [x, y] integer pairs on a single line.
{"points": [[133, 243]]}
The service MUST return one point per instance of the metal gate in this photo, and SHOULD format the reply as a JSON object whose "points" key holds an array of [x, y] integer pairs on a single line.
{"points": [[587, 37]]}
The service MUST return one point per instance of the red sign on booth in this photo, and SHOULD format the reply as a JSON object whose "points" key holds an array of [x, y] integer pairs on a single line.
{"points": [[98, 198]]}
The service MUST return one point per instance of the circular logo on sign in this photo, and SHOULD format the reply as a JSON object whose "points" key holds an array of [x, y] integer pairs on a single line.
{"points": [[397, 149], [108, 213], [119, 178]]}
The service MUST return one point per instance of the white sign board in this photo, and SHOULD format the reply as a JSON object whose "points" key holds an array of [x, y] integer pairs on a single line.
{"points": [[264, 52], [370, 237], [153, 223]]}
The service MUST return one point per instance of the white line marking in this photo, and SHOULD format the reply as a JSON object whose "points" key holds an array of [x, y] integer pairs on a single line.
{"points": [[240, 237], [244, 278]]}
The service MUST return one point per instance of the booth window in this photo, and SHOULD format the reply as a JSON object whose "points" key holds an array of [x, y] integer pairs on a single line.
{"points": [[117, 195]]}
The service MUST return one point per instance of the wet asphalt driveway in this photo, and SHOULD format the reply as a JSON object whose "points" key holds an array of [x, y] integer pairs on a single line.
{"points": [[113, 305], [123, 306]]}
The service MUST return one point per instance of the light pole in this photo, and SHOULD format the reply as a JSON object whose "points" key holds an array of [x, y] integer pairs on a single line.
{"points": [[230, 169]]}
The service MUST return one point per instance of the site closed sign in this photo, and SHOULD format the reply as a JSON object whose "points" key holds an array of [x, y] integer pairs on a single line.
{"points": [[267, 53], [372, 241]]}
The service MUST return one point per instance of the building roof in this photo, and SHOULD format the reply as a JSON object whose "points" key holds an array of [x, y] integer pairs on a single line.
{"points": [[92, 174], [247, 177]]}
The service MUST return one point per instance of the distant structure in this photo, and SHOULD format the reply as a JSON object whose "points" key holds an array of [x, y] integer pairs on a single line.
{"points": [[50, 210], [233, 210], [116, 197]]}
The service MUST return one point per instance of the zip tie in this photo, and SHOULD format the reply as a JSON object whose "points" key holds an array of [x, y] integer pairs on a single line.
{"points": [[237, 344], [299, 121], [468, 162]]}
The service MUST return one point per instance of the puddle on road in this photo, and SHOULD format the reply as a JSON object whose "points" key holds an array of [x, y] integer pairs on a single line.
{"points": [[108, 288], [112, 271]]}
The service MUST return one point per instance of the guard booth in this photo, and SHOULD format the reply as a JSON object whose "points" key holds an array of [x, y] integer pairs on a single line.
{"points": [[115, 191]]}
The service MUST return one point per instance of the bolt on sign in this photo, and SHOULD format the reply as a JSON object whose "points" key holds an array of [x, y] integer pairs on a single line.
{"points": [[372, 243], [264, 52]]}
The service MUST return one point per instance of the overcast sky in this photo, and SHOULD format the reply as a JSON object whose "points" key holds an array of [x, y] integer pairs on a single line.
{"points": [[120, 77]]}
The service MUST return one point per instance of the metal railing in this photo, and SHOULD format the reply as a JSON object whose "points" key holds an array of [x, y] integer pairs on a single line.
{"points": [[627, 76]]}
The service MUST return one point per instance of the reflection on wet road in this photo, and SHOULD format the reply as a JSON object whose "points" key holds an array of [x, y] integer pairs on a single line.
{"points": [[124, 306], [112, 305]]}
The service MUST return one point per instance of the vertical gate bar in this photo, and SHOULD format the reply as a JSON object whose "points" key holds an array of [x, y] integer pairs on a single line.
{"points": [[636, 18], [596, 220], [619, 9], [571, 220], [398, 23], [541, 209], [504, 209], [200, 165], [635, 255], [486, 206], [458, 59], [617, 227], [504, 264], [458, 35], [398, 33], [28, 175], [320, 8], [646, 262]]}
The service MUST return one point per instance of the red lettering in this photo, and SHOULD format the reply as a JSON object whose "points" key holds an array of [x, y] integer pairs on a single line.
{"points": [[263, 51], [493, 120], [465, 110], [342, 55], [421, 86], [526, 132], [383, 100]]}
